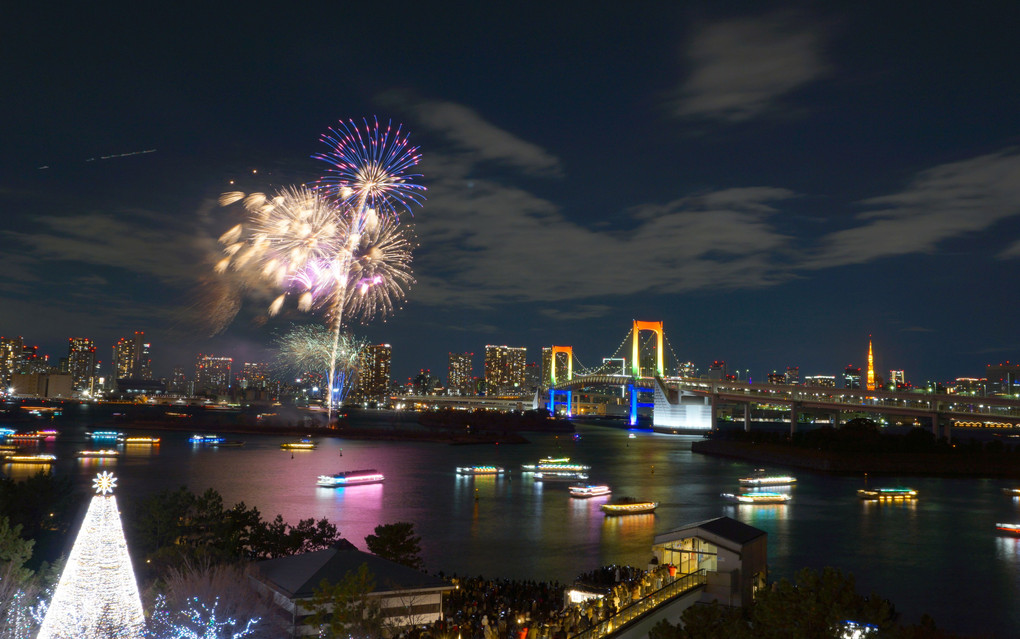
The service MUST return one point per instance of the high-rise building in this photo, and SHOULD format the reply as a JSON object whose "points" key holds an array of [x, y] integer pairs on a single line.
{"points": [[212, 373], [687, 369], [82, 364], [1004, 378], [179, 382], [970, 386], [10, 359], [504, 370], [897, 379], [131, 358], [717, 371], [776, 378], [374, 373], [792, 375], [871, 367], [852, 376], [461, 380], [254, 375]]}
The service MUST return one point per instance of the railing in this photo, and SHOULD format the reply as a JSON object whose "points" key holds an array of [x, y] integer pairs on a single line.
{"points": [[644, 605]]}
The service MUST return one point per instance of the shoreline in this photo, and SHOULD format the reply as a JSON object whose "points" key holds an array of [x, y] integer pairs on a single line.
{"points": [[962, 464]]}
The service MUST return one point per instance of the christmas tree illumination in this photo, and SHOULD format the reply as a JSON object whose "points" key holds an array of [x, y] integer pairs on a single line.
{"points": [[97, 596]]}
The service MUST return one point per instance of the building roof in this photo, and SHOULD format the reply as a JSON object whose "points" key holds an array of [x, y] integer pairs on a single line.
{"points": [[724, 527], [298, 576]]}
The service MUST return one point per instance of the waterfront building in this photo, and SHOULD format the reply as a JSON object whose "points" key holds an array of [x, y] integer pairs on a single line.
{"points": [[820, 381], [42, 385], [504, 370], [374, 373], [82, 364], [970, 386], [10, 358], [852, 376], [404, 596], [461, 380], [212, 373], [1003, 378]]}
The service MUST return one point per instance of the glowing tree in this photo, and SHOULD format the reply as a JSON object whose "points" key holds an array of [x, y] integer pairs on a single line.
{"points": [[97, 596]]}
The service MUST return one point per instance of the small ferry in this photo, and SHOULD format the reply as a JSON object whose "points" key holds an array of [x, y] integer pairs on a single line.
{"points": [[589, 490], [30, 459], [759, 478], [758, 498], [887, 494], [1010, 529], [205, 439], [480, 470], [139, 440], [559, 475], [629, 506], [301, 444], [351, 478], [102, 452]]}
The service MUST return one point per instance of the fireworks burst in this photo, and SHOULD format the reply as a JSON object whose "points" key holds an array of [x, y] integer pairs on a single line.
{"points": [[311, 348], [369, 169]]}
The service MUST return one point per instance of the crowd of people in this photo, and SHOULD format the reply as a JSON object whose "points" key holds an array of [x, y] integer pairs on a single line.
{"points": [[507, 609]]}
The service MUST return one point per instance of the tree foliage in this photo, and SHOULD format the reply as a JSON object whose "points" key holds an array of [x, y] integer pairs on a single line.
{"points": [[396, 542], [345, 609]]}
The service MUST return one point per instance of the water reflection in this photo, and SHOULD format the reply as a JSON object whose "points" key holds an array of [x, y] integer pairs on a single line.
{"points": [[20, 471]]}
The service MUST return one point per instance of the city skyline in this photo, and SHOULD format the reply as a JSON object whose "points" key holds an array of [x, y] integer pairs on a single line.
{"points": [[775, 185]]}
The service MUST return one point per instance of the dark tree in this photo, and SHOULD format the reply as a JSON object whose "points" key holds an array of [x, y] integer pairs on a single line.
{"points": [[396, 542]]}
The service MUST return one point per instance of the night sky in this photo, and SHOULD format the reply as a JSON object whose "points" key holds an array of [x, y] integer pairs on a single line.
{"points": [[775, 184]]}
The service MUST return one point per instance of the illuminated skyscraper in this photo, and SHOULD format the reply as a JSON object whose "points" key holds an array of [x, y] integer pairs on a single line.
{"points": [[792, 375], [374, 373], [871, 367], [10, 359], [851, 376], [212, 374], [897, 378], [820, 381], [504, 370], [131, 358], [461, 380], [82, 364], [254, 375]]}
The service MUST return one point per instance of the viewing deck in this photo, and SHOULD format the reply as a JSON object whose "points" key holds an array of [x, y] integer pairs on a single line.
{"points": [[645, 606]]}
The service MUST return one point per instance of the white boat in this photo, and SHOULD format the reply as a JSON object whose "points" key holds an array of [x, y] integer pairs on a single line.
{"points": [[205, 439], [758, 498], [104, 434], [480, 470], [351, 478], [887, 494], [589, 490], [559, 475], [555, 464], [759, 478], [1010, 529]]}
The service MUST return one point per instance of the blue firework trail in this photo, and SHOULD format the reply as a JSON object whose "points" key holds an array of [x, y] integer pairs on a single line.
{"points": [[369, 168]]}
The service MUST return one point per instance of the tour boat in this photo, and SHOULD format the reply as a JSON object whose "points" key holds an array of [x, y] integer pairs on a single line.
{"points": [[480, 470], [559, 475], [9, 448], [27, 437], [758, 498], [589, 490], [629, 506], [554, 464], [304, 444], [1012, 529], [887, 494], [351, 478], [30, 459], [205, 439], [104, 434], [139, 441], [1015, 492], [759, 478], [102, 452]]}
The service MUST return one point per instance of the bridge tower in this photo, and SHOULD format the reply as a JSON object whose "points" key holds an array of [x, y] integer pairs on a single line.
{"points": [[655, 327], [569, 350]]}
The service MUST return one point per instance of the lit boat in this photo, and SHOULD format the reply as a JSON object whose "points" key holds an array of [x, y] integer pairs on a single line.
{"points": [[887, 494], [205, 439], [104, 434], [1012, 529], [30, 459], [27, 437], [559, 475], [9, 448], [351, 478], [1015, 492], [589, 490], [139, 441], [227, 443], [304, 444], [629, 506], [759, 478], [480, 470], [758, 498], [102, 452], [554, 463]]}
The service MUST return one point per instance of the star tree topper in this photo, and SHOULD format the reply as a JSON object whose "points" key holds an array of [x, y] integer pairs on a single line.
{"points": [[104, 483]]}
